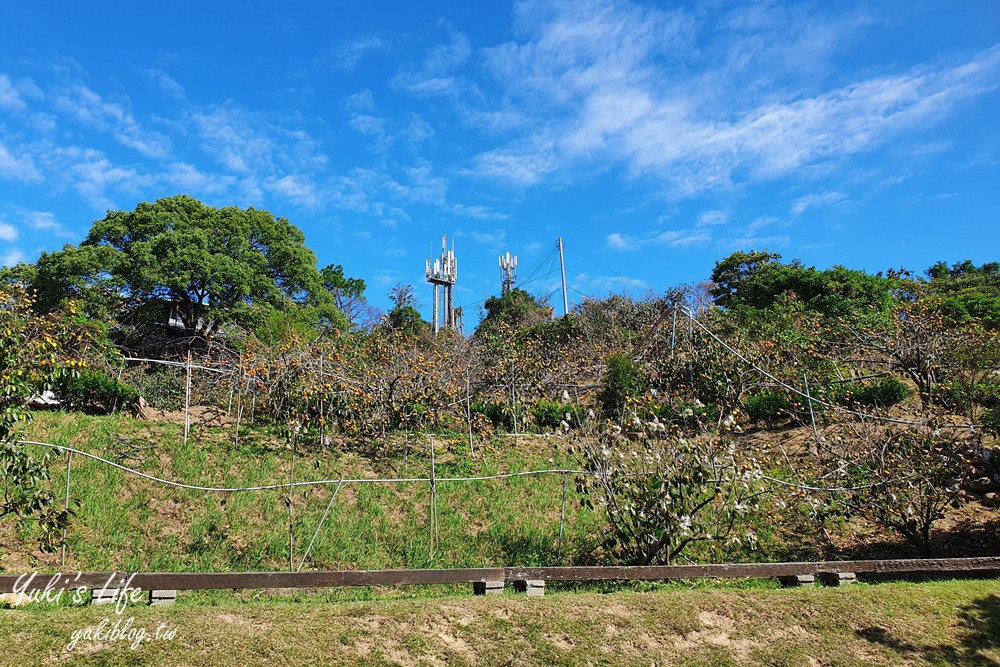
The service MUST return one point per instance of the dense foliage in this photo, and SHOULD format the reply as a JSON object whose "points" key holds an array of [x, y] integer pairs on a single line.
{"points": [[204, 265]]}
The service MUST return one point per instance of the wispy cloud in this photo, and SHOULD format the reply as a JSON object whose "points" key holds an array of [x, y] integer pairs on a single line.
{"points": [[10, 99], [670, 239], [233, 137], [11, 256], [437, 74], [93, 111], [347, 55], [609, 80], [8, 232], [712, 218], [803, 204], [18, 167], [477, 212], [165, 82]]}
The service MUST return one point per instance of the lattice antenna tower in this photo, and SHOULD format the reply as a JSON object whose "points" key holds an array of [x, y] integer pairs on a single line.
{"points": [[508, 272], [442, 274]]}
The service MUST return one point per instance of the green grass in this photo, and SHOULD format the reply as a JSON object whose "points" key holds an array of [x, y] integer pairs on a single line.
{"points": [[935, 623], [129, 523]]}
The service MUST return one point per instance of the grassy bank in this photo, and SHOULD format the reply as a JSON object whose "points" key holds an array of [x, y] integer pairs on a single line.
{"points": [[936, 623], [129, 523], [126, 522]]}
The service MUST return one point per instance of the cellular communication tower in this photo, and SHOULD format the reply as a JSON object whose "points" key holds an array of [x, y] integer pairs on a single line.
{"points": [[508, 272], [442, 273]]}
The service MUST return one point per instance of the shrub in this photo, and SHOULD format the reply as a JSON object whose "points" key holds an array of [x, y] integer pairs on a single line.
{"points": [[883, 393], [991, 420], [622, 379], [771, 407], [549, 414], [94, 393], [501, 416]]}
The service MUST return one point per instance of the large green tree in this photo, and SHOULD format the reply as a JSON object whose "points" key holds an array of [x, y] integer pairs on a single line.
{"points": [[965, 292], [760, 280], [213, 265], [515, 307]]}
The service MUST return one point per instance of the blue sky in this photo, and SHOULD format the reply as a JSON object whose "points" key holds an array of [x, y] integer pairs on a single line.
{"points": [[655, 137]]}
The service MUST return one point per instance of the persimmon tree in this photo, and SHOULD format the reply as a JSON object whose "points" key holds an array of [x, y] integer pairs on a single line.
{"points": [[34, 352], [902, 479]]}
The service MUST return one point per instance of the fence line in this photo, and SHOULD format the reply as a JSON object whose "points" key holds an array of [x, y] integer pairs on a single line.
{"points": [[406, 480]]}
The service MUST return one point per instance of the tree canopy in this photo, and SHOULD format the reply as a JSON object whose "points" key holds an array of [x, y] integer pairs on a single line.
{"points": [[966, 292], [759, 280], [212, 265], [515, 307]]}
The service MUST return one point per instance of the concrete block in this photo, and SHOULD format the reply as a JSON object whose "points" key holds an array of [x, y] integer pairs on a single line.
{"points": [[797, 580], [104, 596], [837, 578], [161, 598], [533, 587], [487, 587]]}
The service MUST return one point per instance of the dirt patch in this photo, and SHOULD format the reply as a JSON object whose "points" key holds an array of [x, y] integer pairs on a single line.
{"points": [[201, 415]]}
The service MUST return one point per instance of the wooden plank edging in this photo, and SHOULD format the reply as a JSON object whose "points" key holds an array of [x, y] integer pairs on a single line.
{"points": [[333, 578]]}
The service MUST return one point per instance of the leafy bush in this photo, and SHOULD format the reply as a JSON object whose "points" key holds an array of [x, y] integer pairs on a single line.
{"points": [[500, 415], [549, 414], [771, 407], [991, 420], [622, 379], [883, 393], [94, 393]]}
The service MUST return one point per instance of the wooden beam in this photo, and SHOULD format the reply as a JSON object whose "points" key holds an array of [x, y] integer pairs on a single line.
{"points": [[741, 570], [212, 580], [326, 579]]}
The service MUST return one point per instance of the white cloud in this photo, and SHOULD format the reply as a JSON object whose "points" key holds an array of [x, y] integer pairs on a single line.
{"points": [[751, 242], [9, 97], [11, 257], [494, 239], [8, 232], [43, 221], [18, 167], [477, 212], [670, 239], [360, 101], [232, 137], [760, 222], [437, 73], [186, 177], [165, 82], [296, 188], [802, 204], [94, 176], [90, 109], [711, 218], [347, 55], [608, 82], [518, 165]]}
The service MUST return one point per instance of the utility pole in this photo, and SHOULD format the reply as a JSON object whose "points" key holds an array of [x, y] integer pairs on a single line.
{"points": [[508, 272], [562, 268]]}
